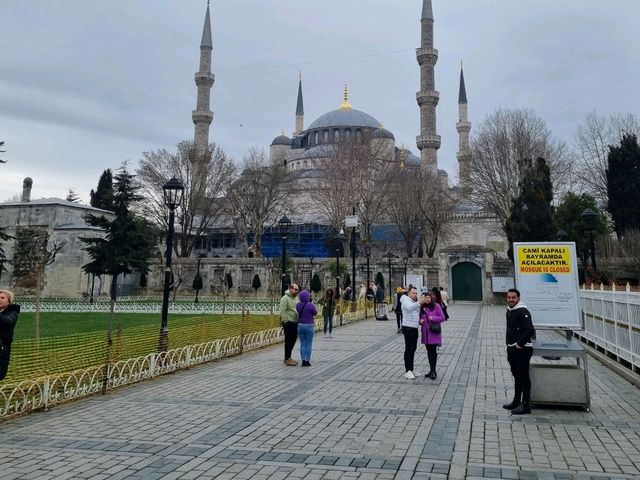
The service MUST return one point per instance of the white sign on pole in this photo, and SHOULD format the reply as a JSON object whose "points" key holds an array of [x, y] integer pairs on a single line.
{"points": [[547, 277]]}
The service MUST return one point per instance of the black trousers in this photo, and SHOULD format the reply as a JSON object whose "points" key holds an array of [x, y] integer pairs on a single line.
{"points": [[410, 345], [399, 318], [519, 359], [432, 355], [290, 337], [5, 353]]}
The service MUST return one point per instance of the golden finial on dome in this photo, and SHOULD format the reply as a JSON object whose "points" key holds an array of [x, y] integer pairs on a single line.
{"points": [[345, 104]]}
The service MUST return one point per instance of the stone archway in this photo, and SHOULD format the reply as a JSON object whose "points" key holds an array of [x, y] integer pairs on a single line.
{"points": [[466, 282]]}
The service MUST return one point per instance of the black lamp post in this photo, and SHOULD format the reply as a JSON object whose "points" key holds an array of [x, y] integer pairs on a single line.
{"points": [[2, 260], [562, 236], [197, 282], [367, 252], [589, 217], [284, 223], [353, 264], [338, 240], [390, 256], [172, 191], [405, 261]]}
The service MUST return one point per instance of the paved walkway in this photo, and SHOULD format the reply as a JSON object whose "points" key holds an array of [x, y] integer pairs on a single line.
{"points": [[351, 415]]}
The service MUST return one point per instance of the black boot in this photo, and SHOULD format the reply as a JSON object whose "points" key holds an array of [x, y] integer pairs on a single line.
{"points": [[510, 406], [523, 409]]}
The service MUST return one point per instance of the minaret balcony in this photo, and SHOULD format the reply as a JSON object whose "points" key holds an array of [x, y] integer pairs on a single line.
{"points": [[427, 55], [428, 97], [204, 78], [428, 141], [202, 116], [463, 126]]}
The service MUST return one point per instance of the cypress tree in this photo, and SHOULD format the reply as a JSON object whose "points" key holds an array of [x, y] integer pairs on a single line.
{"points": [[102, 197], [623, 184], [316, 284], [531, 218]]}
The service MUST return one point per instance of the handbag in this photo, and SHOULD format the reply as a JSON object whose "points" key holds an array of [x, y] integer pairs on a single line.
{"points": [[435, 327]]}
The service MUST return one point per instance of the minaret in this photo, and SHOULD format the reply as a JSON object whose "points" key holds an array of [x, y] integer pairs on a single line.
{"points": [[464, 151], [428, 141], [299, 108], [202, 116]]}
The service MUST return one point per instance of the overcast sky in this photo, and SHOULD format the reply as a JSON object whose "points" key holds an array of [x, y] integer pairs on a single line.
{"points": [[86, 85]]}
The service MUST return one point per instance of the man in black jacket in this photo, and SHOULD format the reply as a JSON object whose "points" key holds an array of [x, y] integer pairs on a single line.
{"points": [[520, 334]]}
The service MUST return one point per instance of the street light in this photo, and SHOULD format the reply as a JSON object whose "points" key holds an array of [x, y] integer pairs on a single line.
{"points": [[172, 191], [389, 256], [339, 238], [284, 223], [367, 252], [405, 261], [197, 282], [589, 217], [562, 236]]}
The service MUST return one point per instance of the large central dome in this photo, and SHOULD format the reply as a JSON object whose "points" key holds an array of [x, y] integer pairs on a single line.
{"points": [[345, 117]]}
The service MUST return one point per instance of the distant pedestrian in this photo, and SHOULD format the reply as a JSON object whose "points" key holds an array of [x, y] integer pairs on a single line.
{"points": [[397, 307], [328, 310], [306, 313], [8, 318], [437, 297], [289, 319], [520, 334], [410, 323], [431, 318], [381, 304]]}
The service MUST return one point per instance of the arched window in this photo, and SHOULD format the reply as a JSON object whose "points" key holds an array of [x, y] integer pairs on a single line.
{"points": [[359, 136], [317, 138], [326, 136], [336, 135], [347, 135]]}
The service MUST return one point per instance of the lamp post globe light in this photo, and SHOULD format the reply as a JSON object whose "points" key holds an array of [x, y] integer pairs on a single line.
{"points": [[172, 191], [562, 236], [405, 261], [284, 224], [589, 217]]}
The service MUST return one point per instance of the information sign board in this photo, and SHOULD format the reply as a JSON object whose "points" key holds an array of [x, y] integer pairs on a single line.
{"points": [[547, 277], [501, 284]]}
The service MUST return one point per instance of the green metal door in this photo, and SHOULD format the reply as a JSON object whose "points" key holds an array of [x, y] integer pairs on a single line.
{"points": [[467, 282]]}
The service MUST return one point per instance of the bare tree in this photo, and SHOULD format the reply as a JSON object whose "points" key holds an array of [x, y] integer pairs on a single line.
{"points": [[593, 138], [421, 206], [354, 175], [31, 258], [503, 140], [202, 202], [257, 198]]}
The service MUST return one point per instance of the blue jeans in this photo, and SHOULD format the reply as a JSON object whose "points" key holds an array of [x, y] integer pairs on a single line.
{"points": [[305, 334], [328, 323]]}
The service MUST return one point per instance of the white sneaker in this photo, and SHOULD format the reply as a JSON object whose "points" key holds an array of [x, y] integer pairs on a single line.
{"points": [[409, 375], [331, 335], [326, 335]]}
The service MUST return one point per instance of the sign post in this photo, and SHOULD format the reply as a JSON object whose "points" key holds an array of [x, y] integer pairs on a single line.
{"points": [[547, 277]]}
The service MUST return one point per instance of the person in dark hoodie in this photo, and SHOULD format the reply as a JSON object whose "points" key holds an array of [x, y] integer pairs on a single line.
{"points": [[8, 318], [306, 313], [520, 334]]}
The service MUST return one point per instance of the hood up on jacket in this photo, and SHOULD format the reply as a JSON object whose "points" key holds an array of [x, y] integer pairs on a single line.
{"points": [[304, 296]]}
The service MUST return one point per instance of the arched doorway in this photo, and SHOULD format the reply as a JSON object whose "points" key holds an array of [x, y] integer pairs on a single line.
{"points": [[466, 279]]}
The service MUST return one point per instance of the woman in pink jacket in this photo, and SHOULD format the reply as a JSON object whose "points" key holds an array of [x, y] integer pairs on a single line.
{"points": [[431, 318]]}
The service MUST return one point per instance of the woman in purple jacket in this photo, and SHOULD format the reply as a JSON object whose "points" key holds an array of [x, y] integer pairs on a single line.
{"points": [[431, 318], [306, 312]]}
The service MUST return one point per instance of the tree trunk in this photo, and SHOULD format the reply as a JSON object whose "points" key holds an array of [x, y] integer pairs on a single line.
{"points": [[112, 307]]}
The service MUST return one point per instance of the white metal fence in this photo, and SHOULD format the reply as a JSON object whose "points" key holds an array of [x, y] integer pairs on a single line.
{"points": [[44, 392], [612, 322]]}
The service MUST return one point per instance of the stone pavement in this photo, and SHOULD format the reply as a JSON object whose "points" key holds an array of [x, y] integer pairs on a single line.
{"points": [[351, 415]]}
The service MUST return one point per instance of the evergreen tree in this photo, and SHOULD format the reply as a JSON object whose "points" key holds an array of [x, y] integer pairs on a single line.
{"points": [[128, 242], [567, 217], [623, 184], [72, 196], [531, 218], [316, 284], [102, 197], [380, 279]]}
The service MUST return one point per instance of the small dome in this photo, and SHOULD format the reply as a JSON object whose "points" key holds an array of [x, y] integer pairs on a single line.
{"points": [[281, 140], [442, 173], [382, 133], [412, 160]]}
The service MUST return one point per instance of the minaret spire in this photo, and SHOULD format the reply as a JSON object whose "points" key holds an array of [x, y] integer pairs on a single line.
{"points": [[202, 116], [464, 151], [428, 141], [299, 108]]}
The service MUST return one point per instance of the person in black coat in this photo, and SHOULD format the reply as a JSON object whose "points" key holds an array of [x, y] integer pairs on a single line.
{"points": [[8, 318], [519, 337]]}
